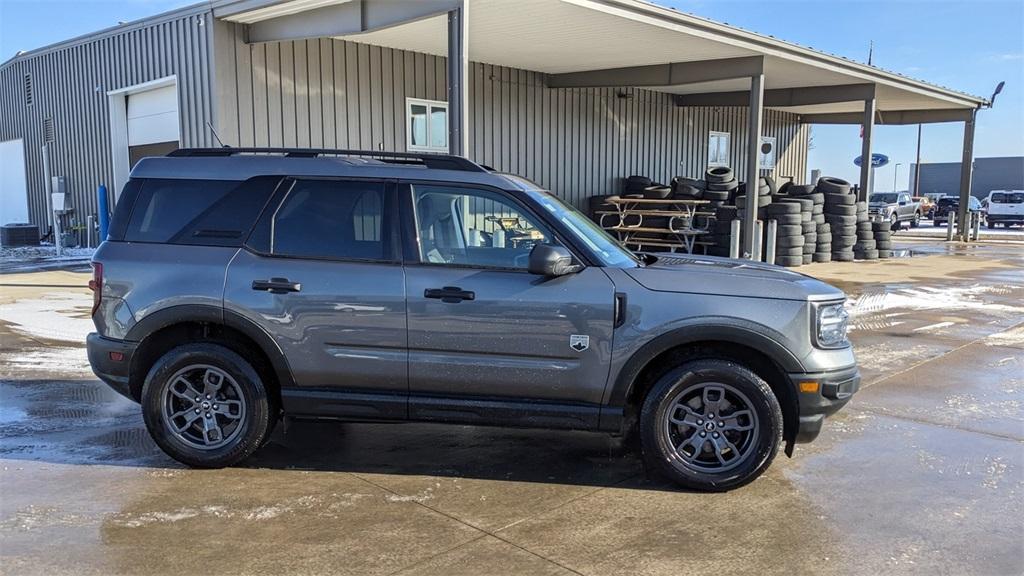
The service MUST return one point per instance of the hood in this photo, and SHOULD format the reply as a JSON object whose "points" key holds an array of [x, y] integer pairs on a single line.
{"points": [[878, 205], [728, 277]]}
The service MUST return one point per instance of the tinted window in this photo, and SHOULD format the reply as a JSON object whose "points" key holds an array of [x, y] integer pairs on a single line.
{"points": [[331, 219], [1007, 197], [197, 212]]}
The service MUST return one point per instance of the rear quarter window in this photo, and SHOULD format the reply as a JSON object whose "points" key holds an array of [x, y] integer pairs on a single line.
{"points": [[1008, 198], [197, 212]]}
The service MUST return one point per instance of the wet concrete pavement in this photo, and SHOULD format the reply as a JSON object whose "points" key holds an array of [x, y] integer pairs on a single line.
{"points": [[922, 473]]}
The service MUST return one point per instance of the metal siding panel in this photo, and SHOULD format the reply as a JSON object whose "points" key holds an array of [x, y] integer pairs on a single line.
{"points": [[302, 93]]}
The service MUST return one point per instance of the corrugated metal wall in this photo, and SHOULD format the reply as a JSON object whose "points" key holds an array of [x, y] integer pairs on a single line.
{"points": [[70, 82], [577, 142]]}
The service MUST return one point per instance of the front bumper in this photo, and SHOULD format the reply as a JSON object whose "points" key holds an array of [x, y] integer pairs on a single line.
{"points": [[103, 357], [834, 390]]}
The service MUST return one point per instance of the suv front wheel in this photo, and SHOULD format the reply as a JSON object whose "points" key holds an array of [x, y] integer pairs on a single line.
{"points": [[205, 406], [711, 425]]}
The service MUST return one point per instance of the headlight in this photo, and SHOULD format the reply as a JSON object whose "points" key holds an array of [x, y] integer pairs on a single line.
{"points": [[833, 324]]}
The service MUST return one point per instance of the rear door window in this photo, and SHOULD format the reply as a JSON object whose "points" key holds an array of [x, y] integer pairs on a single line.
{"points": [[197, 212], [329, 219], [1008, 197]]}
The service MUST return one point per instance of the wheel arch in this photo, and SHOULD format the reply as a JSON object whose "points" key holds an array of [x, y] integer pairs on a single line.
{"points": [[743, 344], [160, 331]]}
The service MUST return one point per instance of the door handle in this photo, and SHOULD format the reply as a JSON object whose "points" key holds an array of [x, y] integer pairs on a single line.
{"points": [[449, 294], [276, 285]]}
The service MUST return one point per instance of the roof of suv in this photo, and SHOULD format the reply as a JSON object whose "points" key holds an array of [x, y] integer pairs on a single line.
{"points": [[245, 163]]}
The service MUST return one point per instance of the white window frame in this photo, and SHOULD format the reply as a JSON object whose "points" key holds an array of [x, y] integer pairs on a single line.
{"points": [[430, 104], [774, 156], [713, 136]]}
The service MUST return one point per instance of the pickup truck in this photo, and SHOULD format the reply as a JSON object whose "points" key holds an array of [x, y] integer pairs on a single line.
{"points": [[896, 207]]}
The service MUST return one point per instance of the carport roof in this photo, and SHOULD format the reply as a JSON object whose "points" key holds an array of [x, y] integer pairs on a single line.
{"points": [[573, 36]]}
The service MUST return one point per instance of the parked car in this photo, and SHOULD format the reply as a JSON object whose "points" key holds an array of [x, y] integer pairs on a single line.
{"points": [[948, 204], [237, 286], [894, 207], [927, 205], [1005, 207]]}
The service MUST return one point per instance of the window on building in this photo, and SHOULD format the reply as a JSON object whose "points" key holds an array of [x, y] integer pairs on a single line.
{"points": [[331, 219], [718, 148], [767, 155], [427, 125]]}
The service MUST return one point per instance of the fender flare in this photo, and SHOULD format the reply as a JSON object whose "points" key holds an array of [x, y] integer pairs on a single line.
{"points": [[206, 313], [735, 331]]}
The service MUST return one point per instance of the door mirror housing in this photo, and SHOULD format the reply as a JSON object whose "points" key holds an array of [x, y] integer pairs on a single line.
{"points": [[550, 260]]}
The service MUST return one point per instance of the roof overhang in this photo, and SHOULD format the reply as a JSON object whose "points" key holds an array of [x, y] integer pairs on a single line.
{"points": [[615, 43]]}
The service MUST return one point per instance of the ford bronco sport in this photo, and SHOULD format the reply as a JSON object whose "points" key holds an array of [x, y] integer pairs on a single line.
{"points": [[239, 286]]}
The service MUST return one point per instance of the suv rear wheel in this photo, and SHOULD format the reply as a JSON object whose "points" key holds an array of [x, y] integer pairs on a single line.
{"points": [[711, 425], [205, 406]]}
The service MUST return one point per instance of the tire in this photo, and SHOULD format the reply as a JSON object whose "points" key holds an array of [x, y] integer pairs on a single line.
{"points": [[916, 221], [790, 241], [788, 230], [788, 219], [670, 449], [722, 186], [838, 221], [715, 195], [167, 392], [871, 254], [884, 253], [637, 182], [843, 256], [795, 251], [822, 257], [657, 192], [806, 204], [839, 199], [790, 261], [991, 225], [783, 208], [894, 222], [830, 185], [799, 190], [719, 174], [840, 210]]}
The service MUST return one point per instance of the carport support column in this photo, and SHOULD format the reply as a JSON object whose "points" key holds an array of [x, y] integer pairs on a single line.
{"points": [[753, 156], [458, 80], [963, 224], [866, 172]]}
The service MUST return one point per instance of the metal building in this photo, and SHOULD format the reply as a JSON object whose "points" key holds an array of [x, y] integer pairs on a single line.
{"points": [[573, 94], [1006, 173]]}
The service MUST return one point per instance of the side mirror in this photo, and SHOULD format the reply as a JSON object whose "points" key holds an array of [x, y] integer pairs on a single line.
{"points": [[550, 260], [903, 202]]}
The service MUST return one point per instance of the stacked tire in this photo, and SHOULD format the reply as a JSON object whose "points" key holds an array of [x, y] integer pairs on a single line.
{"points": [[636, 185], [721, 230], [883, 238], [790, 242], [818, 229], [720, 185], [840, 213], [764, 196], [865, 247]]}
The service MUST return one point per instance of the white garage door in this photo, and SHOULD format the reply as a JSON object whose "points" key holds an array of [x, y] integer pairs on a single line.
{"points": [[153, 116], [13, 188]]}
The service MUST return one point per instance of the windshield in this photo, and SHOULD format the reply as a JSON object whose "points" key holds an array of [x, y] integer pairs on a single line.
{"points": [[886, 198], [600, 243]]}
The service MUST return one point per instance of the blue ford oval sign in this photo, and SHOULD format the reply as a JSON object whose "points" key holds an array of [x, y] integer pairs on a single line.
{"points": [[877, 160]]}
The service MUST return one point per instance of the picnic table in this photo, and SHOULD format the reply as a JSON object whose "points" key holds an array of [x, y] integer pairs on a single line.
{"points": [[679, 232]]}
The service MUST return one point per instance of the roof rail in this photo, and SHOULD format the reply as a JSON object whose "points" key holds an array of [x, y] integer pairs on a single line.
{"points": [[428, 159]]}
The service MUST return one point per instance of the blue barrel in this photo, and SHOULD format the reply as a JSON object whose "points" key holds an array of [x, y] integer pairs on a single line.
{"points": [[104, 211]]}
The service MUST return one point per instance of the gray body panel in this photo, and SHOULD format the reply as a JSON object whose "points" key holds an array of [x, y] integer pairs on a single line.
{"points": [[344, 329], [141, 279], [513, 339]]}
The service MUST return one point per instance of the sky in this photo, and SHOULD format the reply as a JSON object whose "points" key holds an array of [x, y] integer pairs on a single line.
{"points": [[969, 46]]}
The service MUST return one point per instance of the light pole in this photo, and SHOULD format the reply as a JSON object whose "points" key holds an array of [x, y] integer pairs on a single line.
{"points": [[895, 172]]}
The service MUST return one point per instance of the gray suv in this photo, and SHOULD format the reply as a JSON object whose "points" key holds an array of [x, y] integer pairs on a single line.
{"points": [[240, 286]]}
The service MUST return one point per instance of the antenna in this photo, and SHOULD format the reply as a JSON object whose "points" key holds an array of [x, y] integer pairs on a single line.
{"points": [[217, 136]]}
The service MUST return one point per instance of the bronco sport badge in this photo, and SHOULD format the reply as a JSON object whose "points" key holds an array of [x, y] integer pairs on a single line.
{"points": [[579, 342]]}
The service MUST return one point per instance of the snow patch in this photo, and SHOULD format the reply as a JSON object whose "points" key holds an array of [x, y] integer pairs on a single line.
{"points": [[59, 316]]}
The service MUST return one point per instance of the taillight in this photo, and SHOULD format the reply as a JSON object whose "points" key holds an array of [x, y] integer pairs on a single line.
{"points": [[96, 285]]}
